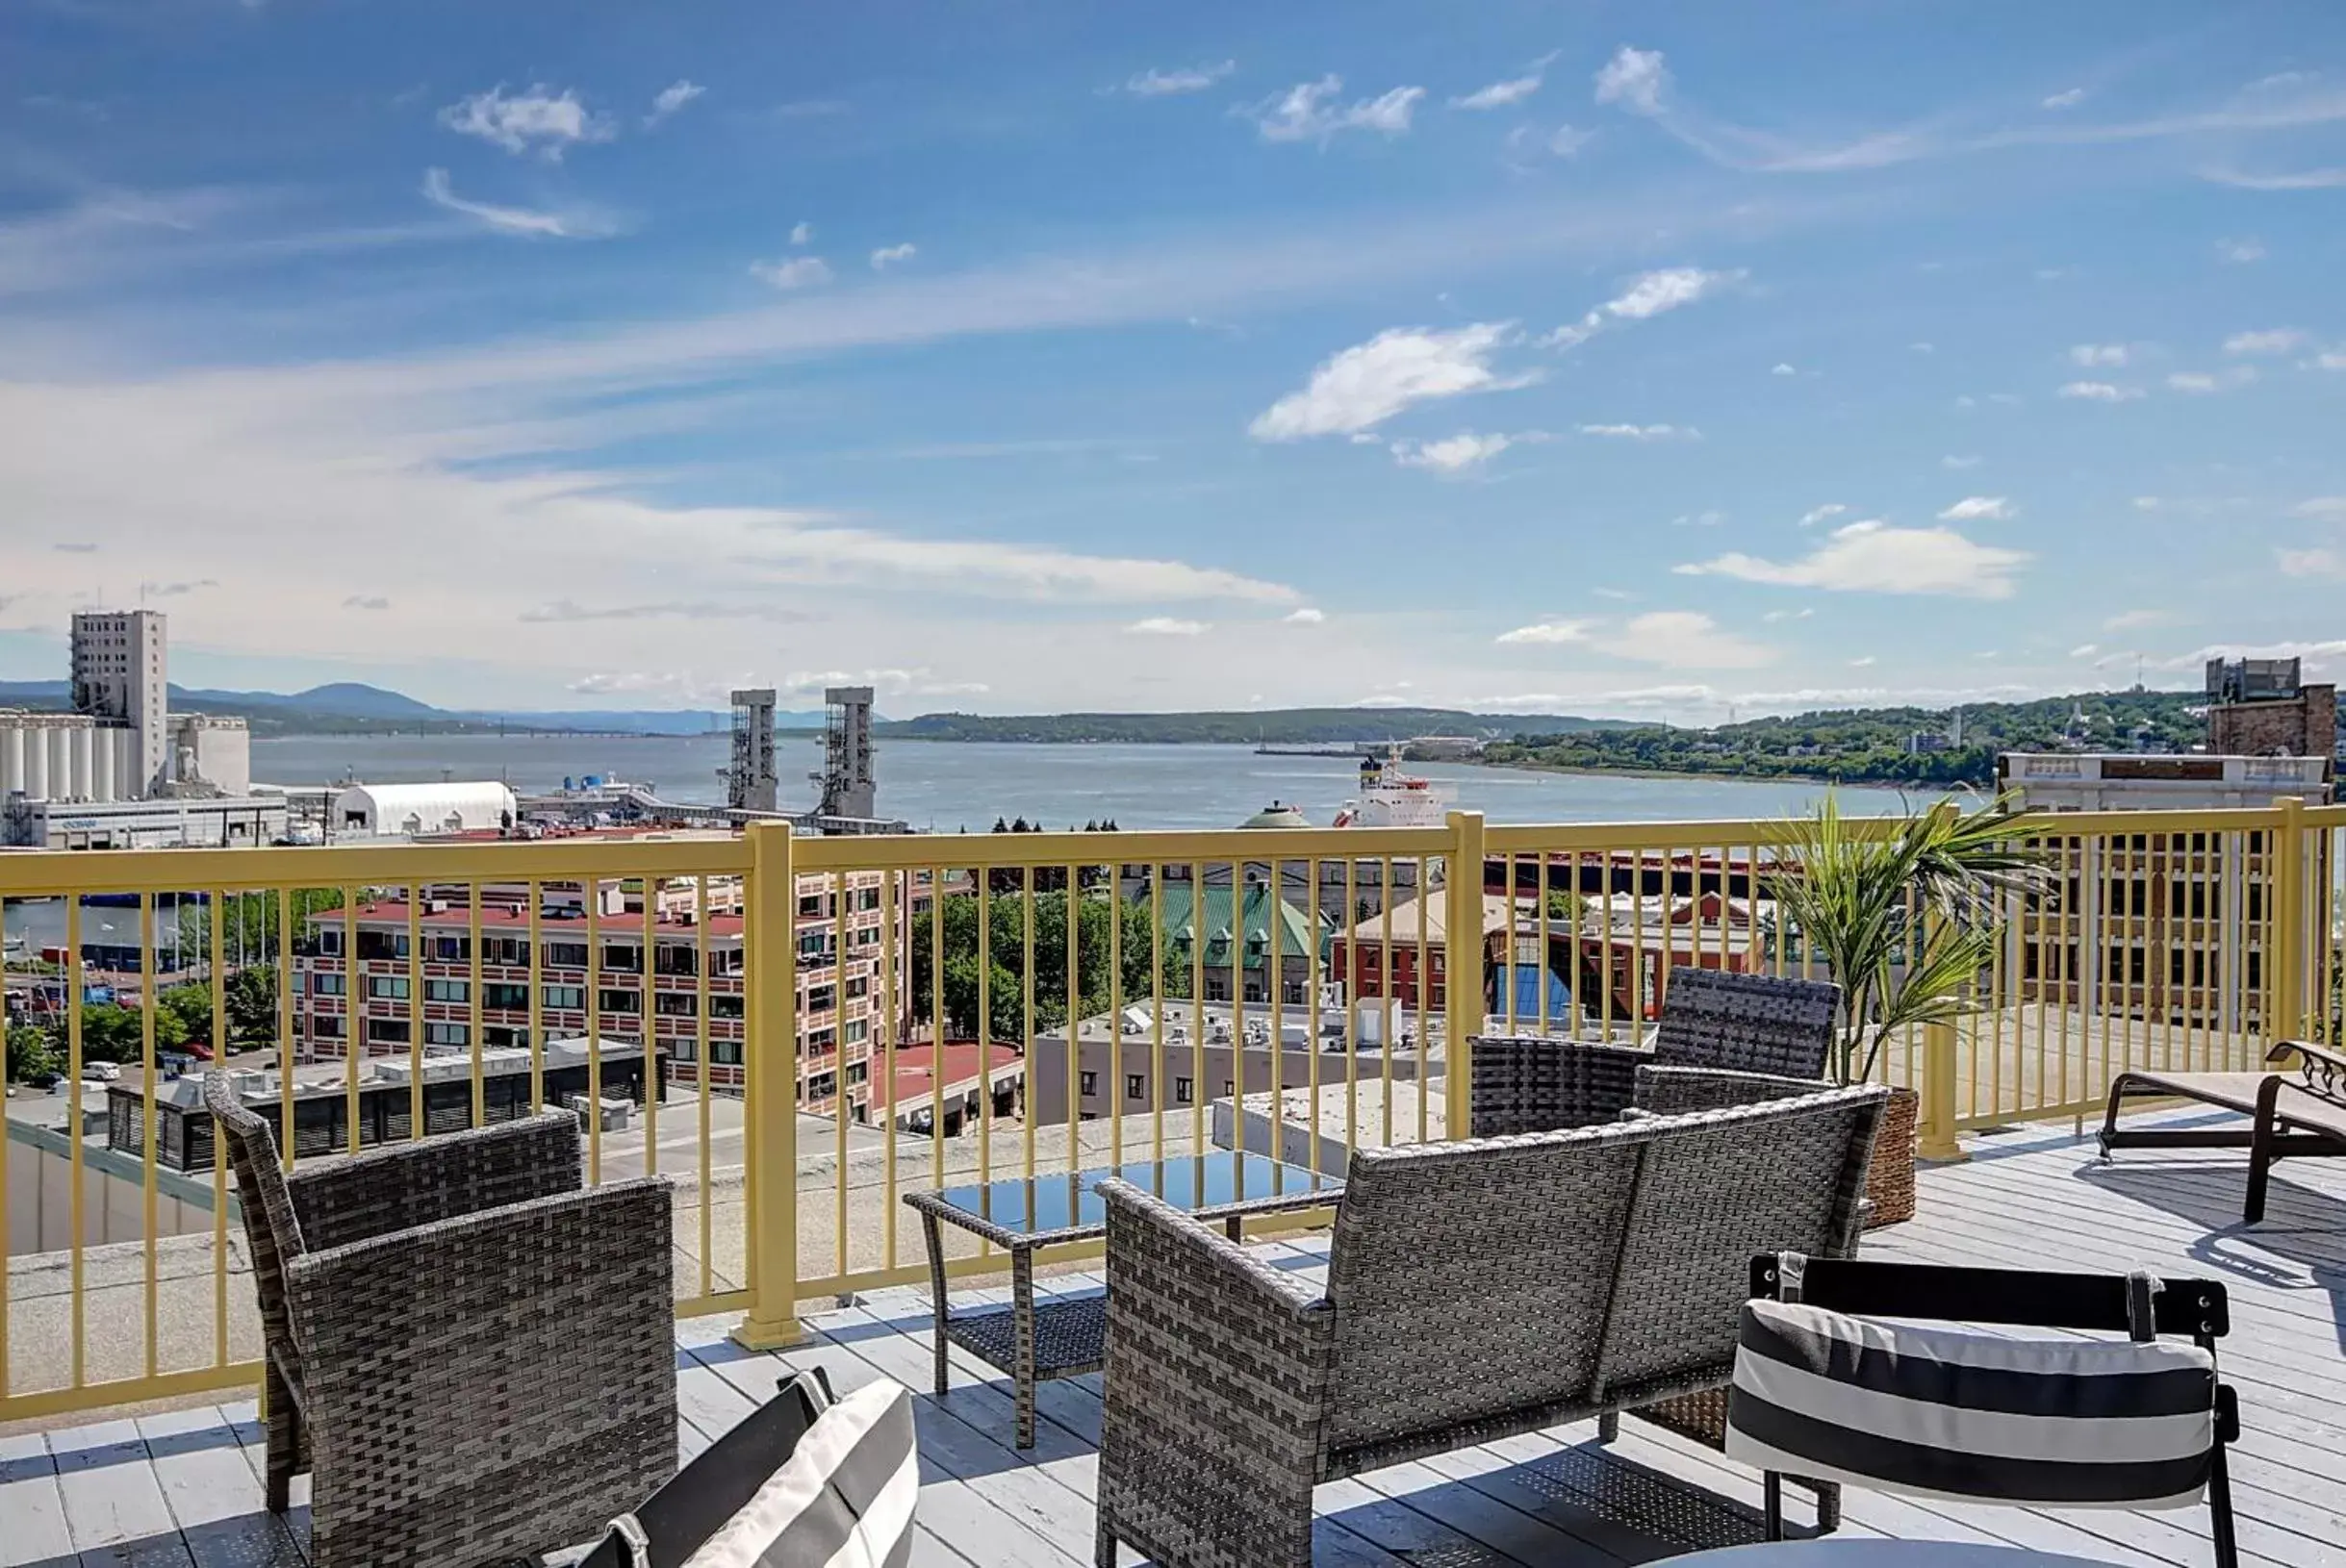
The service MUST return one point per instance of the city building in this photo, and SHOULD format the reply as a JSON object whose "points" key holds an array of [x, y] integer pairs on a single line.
{"points": [[224, 822], [2164, 926], [410, 810], [1117, 1063], [2261, 708], [122, 672], [1227, 940], [591, 975]]}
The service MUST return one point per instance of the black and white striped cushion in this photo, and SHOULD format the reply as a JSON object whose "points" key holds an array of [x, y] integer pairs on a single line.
{"points": [[843, 1501], [1948, 1412]]}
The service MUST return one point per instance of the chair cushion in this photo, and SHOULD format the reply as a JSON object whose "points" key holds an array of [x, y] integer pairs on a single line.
{"points": [[1951, 1412], [844, 1498]]}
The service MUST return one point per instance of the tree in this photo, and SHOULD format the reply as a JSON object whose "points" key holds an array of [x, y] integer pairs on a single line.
{"points": [[248, 924], [252, 1005], [190, 1007], [1098, 941], [32, 1054], [112, 1034]]}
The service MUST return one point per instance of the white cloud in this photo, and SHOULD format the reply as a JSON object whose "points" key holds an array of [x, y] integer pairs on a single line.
{"points": [[1873, 557], [1864, 662], [1677, 638], [2320, 561], [1500, 95], [672, 97], [1953, 462], [366, 601], [887, 256], [2310, 178], [2147, 504], [801, 232], [1308, 112], [1305, 614], [2240, 250], [2100, 391], [1370, 383], [1648, 294], [2330, 359], [555, 226], [2325, 508], [2273, 341], [2084, 650], [2090, 355], [1452, 454], [2201, 382], [1774, 617], [1565, 141], [2065, 100], [1168, 626], [1611, 594], [1710, 518], [791, 272], [2126, 620], [1642, 432], [1547, 633], [1155, 84], [1816, 514], [1635, 79], [1980, 509], [1783, 369], [1922, 348], [538, 119]]}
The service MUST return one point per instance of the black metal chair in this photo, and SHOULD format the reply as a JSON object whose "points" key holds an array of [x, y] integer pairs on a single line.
{"points": [[1901, 1407]]}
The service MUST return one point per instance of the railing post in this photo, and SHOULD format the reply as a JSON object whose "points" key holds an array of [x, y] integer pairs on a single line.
{"points": [[769, 978], [2286, 856], [1463, 964], [1935, 1138]]}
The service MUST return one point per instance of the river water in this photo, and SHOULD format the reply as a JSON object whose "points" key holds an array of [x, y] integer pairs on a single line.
{"points": [[945, 786]]}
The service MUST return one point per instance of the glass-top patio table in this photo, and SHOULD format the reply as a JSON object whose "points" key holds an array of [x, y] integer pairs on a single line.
{"points": [[1065, 1337]]}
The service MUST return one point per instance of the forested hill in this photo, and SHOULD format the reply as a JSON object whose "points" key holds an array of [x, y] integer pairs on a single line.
{"points": [[1277, 727], [1870, 745]]}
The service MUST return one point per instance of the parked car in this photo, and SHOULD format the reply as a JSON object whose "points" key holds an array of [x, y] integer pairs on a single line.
{"points": [[100, 1072]]}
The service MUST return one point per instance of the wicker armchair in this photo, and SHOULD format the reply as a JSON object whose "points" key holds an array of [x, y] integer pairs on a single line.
{"points": [[473, 1355], [1723, 1022], [1475, 1290]]}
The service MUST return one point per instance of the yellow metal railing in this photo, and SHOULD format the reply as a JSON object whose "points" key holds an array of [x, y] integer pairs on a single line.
{"points": [[845, 1020]]}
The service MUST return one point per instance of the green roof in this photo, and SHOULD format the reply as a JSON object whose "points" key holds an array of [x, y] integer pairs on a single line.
{"points": [[1296, 938]]}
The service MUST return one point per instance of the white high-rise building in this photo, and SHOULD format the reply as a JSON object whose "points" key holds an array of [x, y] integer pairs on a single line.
{"points": [[122, 672]]}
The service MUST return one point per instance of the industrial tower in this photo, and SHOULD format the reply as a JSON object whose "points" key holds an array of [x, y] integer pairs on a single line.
{"points": [[749, 783], [848, 788]]}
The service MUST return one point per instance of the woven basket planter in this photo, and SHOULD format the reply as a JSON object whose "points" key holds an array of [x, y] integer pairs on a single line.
{"points": [[1889, 1179]]}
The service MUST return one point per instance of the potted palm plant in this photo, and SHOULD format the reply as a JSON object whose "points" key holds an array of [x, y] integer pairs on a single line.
{"points": [[1907, 919]]}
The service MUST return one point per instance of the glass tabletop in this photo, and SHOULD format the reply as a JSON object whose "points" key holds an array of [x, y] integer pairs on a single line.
{"points": [[1188, 1182]]}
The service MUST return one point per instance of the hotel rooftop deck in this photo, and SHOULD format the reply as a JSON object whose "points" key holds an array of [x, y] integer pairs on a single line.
{"points": [[182, 1488]]}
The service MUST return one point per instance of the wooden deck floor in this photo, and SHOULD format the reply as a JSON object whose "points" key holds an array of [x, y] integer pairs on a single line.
{"points": [[182, 1488]]}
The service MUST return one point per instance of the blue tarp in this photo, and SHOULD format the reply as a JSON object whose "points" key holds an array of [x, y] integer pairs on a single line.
{"points": [[1524, 979]]}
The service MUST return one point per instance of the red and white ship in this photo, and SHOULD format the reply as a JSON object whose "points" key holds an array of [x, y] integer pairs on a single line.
{"points": [[1391, 798]]}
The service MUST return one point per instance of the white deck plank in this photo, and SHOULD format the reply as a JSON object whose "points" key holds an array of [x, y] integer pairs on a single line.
{"points": [[31, 1505]]}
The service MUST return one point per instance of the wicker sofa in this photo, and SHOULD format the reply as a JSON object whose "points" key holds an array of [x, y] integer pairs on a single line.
{"points": [[1475, 1290], [470, 1354], [1769, 1027]]}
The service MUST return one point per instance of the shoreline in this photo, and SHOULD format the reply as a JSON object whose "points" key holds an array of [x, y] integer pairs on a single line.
{"points": [[1827, 780]]}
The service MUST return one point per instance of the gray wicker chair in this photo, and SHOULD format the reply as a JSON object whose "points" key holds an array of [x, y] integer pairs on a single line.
{"points": [[1776, 1029], [1475, 1290], [473, 1355]]}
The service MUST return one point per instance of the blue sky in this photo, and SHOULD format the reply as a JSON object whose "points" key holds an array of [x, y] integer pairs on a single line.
{"points": [[1621, 357]]}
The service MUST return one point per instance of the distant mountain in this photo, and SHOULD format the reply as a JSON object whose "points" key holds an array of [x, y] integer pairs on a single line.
{"points": [[345, 706], [1278, 726]]}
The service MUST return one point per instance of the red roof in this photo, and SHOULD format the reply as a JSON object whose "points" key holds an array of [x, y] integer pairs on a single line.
{"points": [[914, 1081]]}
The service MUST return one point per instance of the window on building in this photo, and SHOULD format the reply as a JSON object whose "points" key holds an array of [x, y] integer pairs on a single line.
{"points": [[857, 1029], [1181, 1092], [1091, 1082], [1135, 1087], [387, 1032], [327, 1026], [1291, 992], [858, 1072], [325, 985], [821, 1040], [623, 959], [724, 961], [1218, 988], [810, 906], [858, 985], [511, 951], [618, 1002], [447, 1035], [447, 991], [678, 1005], [388, 987], [673, 958], [496, 993], [566, 955], [819, 999], [867, 899], [1226, 1088], [566, 998], [330, 940], [449, 949]]}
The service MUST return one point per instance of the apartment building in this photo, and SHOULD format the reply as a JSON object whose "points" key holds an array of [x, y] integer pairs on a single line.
{"points": [[591, 975]]}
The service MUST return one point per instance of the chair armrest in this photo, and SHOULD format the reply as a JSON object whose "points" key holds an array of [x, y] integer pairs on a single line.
{"points": [[389, 1190], [1532, 1083], [1218, 1366], [2323, 1070], [1671, 1090], [487, 1335]]}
